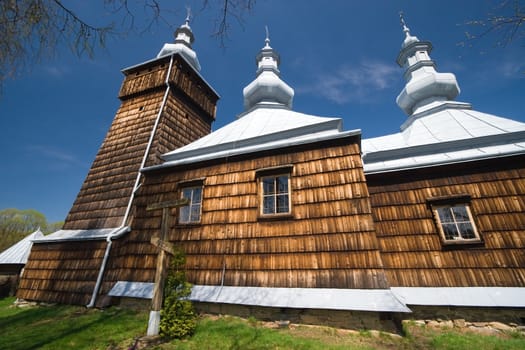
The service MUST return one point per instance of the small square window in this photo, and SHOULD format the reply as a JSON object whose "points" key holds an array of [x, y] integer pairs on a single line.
{"points": [[455, 223], [274, 187], [275, 194], [191, 213]]}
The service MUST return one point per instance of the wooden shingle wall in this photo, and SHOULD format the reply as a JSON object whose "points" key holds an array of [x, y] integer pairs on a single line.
{"points": [[329, 242], [104, 196], [411, 247], [62, 272]]}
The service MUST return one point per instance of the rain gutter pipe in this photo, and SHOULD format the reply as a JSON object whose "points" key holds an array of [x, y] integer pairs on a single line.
{"points": [[120, 231]]}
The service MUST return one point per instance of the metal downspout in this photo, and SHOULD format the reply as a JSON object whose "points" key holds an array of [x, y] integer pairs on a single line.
{"points": [[120, 231]]}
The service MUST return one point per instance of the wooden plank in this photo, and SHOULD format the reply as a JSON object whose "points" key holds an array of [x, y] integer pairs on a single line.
{"points": [[168, 204]]}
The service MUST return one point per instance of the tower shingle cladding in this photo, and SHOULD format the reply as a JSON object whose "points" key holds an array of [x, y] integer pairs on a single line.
{"points": [[186, 116]]}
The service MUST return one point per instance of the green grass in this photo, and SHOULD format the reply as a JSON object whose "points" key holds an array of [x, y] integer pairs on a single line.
{"points": [[233, 333], [67, 327], [452, 341], [71, 327]]}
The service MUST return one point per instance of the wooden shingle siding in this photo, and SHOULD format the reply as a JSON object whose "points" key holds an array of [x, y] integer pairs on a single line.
{"points": [[62, 272], [104, 196], [120, 155], [411, 248], [328, 242], [151, 76]]}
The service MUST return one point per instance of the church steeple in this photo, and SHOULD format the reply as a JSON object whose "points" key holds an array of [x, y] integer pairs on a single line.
{"points": [[183, 40], [267, 87], [424, 85]]}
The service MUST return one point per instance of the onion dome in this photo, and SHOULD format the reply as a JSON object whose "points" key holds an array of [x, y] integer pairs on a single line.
{"points": [[424, 85], [267, 88], [183, 40]]}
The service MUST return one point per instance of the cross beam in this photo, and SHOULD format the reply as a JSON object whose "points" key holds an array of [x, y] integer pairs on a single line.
{"points": [[162, 261]]}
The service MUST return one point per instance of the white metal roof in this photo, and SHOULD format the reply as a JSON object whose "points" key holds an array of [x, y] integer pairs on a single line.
{"points": [[462, 296], [143, 290], [444, 132], [266, 126], [83, 235], [311, 298], [19, 252], [394, 299]]}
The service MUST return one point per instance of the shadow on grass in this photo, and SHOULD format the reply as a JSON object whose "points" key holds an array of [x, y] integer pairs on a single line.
{"points": [[36, 328]]}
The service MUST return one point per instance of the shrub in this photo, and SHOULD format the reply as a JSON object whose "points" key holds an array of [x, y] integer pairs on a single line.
{"points": [[177, 317]]}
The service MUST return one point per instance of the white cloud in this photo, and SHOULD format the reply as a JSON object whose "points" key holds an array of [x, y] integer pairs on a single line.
{"points": [[355, 83], [56, 72], [63, 157], [512, 69]]}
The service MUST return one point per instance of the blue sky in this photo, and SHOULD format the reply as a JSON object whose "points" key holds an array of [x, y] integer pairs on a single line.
{"points": [[339, 56]]}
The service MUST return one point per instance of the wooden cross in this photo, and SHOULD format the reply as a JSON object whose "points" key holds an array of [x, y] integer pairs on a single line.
{"points": [[162, 261]]}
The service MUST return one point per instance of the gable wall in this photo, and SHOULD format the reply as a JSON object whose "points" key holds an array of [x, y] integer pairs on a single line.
{"points": [[411, 247], [329, 243], [62, 272]]}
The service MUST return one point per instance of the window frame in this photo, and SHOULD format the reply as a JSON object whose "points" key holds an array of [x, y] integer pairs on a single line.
{"points": [[462, 201], [274, 173], [190, 185]]}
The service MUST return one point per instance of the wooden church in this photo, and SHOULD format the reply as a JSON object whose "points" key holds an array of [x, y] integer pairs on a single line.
{"points": [[287, 215]]}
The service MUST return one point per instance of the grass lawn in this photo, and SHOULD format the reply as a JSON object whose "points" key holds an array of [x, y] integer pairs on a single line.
{"points": [[72, 327]]}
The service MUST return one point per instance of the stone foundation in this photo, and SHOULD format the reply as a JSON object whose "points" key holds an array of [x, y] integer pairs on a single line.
{"points": [[481, 320], [469, 314], [132, 303]]}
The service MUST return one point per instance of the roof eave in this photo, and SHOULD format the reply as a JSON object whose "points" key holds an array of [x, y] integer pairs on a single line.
{"points": [[429, 164], [252, 149]]}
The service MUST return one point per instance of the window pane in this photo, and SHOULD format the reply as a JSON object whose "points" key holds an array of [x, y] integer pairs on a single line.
{"points": [[460, 213], [282, 204], [450, 231], [197, 195], [466, 230], [268, 185], [445, 215], [282, 183], [269, 204], [195, 213], [186, 193], [184, 214]]}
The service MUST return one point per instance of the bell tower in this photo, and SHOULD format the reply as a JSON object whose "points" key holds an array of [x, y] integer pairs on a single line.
{"points": [[165, 104]]}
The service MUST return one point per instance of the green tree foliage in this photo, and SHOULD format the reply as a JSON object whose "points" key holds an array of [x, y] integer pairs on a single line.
{"points": [[177, 317], [15, 224]]}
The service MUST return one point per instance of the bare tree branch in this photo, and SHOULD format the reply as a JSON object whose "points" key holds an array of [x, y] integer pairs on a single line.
{"points": [[506, 23], [229, 9], [33, 30]]}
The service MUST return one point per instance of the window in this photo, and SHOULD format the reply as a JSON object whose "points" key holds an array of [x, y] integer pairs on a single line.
{"points": [[274, 191], [454, 221], [275, 194], [191, 213]]}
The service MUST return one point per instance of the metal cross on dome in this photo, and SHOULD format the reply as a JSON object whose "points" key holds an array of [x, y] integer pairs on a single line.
{"points": [[403, 23]]}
